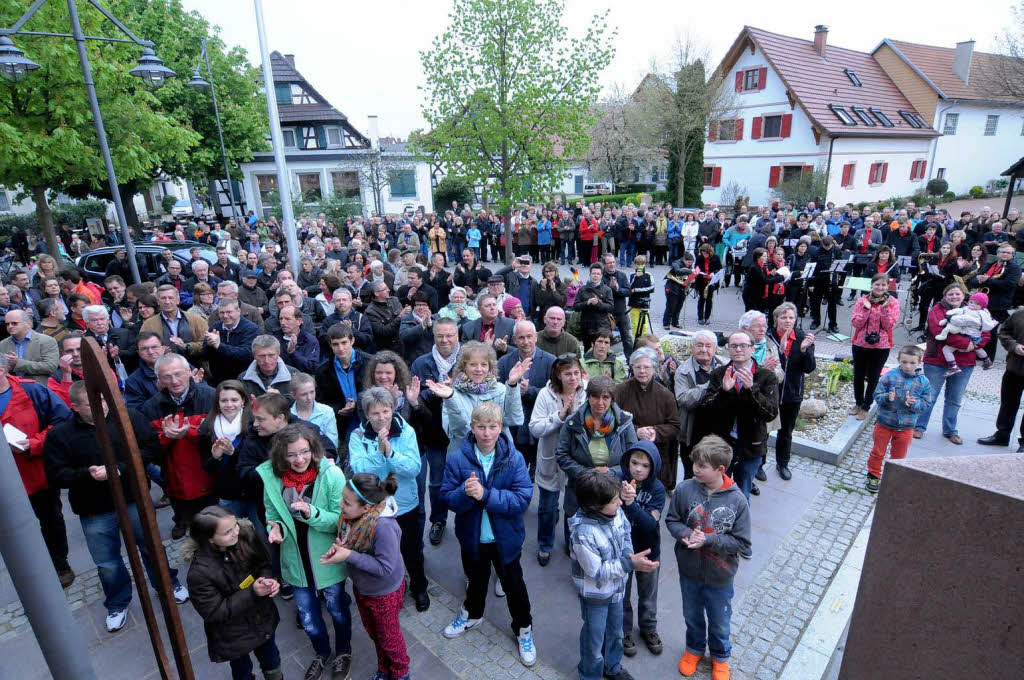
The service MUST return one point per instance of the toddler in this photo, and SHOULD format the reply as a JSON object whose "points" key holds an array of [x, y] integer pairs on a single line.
{"points": [[970, 321]]}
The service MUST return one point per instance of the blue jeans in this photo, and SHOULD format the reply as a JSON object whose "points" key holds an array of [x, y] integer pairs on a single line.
{"points": [[435, 457], [627, 252], [675, 247], [312, 618], [567, 251], [103, 538], [701, 600], [743, 472], [956, 385], [600, 640], [268, 656], [547, 519]]}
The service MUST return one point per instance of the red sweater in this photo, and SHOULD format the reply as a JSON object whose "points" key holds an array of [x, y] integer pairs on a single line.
{"points": [[21, 413]]}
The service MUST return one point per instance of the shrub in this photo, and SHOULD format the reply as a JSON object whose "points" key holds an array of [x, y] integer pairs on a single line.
{"points": [[338, 209], [808, 186], [11, 223], [453, 189], [167, 202], [949, 195], [862, 205], [937, 187], [636, 188], [75, 214], [977, 192]]}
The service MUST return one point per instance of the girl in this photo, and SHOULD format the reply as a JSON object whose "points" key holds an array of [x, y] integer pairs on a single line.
{"points": [[307, 408], [232, 588], [707, 264], [873, 318], [220, 437], [368, 540], [883, 263], [757, 286]]}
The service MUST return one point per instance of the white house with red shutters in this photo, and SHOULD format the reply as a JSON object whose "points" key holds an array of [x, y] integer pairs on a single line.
{"points": [[802, 104]]}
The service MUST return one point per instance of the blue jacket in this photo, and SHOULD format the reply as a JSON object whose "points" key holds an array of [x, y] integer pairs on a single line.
{"points": [[540, 371], [650, 498], [364, 456], [896, 414], [544, 233], [675, 229], [140, 386], [507, 494]]}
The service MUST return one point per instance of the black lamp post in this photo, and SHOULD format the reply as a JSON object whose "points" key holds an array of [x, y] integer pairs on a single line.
{"points": [[15, 67]]}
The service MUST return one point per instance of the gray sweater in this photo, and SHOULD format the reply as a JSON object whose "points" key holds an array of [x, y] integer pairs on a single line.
{"points": [[723, 515], [380, 571]]}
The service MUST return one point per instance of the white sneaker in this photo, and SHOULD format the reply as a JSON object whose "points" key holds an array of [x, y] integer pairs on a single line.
{"points": [[181, 594], [498, 590], [116, 620], [527, 650], [460, 624]]}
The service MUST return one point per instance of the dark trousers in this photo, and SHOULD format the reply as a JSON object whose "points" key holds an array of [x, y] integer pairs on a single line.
{"points": [[46, 505], [1000, 315], [684, 456], [529, 452], [268, 656], [625, 332], [184, 510], [673, 306], [784, 437], [1009, 401], [867, 367], [823, 289], [705, 301], [670, 465], [411, 524], [478, 571]]}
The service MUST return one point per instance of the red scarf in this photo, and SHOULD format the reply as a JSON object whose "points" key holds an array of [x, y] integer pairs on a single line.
{"points": [[995, 270], [299, 480], [882, 267], [930, 244], [764, 271], [706, 266], [787, 342], [867, 240]]}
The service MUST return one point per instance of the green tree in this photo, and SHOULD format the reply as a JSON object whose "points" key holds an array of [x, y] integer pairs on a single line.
{"points": [[807, 186], [452, 189], [510, 95]]}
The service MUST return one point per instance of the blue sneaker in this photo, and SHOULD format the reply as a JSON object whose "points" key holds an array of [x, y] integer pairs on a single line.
{"points": [[460, 624], [527, 649]]}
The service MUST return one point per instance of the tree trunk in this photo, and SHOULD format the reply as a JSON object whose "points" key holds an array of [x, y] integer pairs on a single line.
{"points": [[681, 181], [131, 215], [45, 218], [507, 214]]}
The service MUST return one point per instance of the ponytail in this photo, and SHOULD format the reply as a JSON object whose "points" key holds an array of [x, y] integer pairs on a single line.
{"points": [[371, 489]]}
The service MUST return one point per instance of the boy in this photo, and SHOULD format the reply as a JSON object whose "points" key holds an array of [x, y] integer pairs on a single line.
{"points": [[710, 521], [901, 395], [640, 288], [487, 486], [602, 557], [643, 500]]}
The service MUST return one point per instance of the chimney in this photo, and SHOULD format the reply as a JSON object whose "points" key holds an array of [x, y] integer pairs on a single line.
{"points": [[820, 38], [962, 60], [374, 132], [290, 58]]}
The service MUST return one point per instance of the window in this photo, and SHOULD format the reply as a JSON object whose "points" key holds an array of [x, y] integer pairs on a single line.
{"points": [[309, 186], [852, 76], [289, 138], [727, 130], [309, 138], [772, 126], [402, 183], [991, 123], [709, 175], [917, 169], [654, 175], [881, 117], [941, 173], [841, 113], [877, 173], [751, 79], [5, 201], [345, 183], [848, 171], [300, 96], [791, 172], [282, 93], [949, 125], [267, 184], [862, 116], [333, 137], [636, 174], [912, 120]]}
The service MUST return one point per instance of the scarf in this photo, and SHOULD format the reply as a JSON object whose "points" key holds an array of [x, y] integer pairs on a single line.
{"points": [[880, 300], [358, 535], [765, 274], [787, 343], [929, 244], [444, 366], [759, 351], [995, 270], [705, 264], [599, 429], [299, 480], [230, 429], [867, 241], [464, 384]]}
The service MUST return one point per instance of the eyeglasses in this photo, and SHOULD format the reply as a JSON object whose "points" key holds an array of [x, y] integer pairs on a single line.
{"points": [[739, 345], [297, 456], [567, 355]]}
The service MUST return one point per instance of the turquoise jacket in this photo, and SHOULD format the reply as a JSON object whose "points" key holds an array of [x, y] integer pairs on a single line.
{"points": [[364, 456]]}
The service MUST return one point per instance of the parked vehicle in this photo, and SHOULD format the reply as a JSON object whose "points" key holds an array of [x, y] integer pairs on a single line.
{"points": [[597, 188], [94, 263]]}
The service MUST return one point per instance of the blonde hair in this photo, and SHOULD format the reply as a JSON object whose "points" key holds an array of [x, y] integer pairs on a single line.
{"points": [[640, 261], [486, 412], [475, 348]]}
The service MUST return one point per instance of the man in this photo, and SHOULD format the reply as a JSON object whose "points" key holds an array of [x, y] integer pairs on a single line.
{"points": [[224, 269], [525, 339], [28, 354], [344, 313], [183, 333], [30, 297], [73, 461], [76, 305], [142, 383], [490, 327], [826, 284], [116, 343], [228, 290], [267, 372], [70, 369], [416, 332], [51, 319], [1011, 335], [520, 284], [595, 303], [496, 288], [691, 382], [115, 299], [618, 282], [176, 412], [408, 239], [32, 409], [554, 339], [385, 316], [338, 379], [201, 274], [229, 342], [1001, 278], [267, 279], [416, 284], [250, 291], [119, 265], [993, 238], [173, 277], [436, 366], [299, 348], [358, 284]]}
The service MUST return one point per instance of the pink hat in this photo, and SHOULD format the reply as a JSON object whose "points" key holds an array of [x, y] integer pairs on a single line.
{"points": [[980, 299], [509, 304]]}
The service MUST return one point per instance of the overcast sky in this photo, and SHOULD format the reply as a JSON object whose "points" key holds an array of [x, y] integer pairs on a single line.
{"points": [[364, 56]]}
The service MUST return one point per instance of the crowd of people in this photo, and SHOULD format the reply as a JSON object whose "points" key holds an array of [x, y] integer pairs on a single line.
{"points": [[302, 424]]}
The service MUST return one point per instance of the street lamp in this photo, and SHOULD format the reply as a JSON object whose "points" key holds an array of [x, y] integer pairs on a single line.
{"points": [[197, 83], [14, 67]]}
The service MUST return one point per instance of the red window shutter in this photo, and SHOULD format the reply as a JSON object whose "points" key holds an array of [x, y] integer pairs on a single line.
{"points": [[739, 129], [755, 128], [920, 171], [716, 177], [808, 168], [739, 81], [885, 171], [773, 175], [913, 169], [713, 131], [847, 171], [762, 77], [873, 174], [787, 124]]}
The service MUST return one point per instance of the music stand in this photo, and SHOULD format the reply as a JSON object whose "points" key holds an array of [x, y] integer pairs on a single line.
{"points": [[837, 267]]}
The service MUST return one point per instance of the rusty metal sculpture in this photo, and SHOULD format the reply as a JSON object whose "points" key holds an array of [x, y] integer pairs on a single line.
{"points": [[100, 383]]}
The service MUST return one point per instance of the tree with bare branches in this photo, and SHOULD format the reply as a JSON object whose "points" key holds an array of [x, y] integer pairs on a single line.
{"points": [[621, 139], [1004, 73]]}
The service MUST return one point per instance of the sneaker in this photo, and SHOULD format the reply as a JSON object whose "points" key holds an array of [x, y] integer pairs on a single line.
{"points": [[498, 590], [952, 370], [719, 670], [872, 484], [747, 554], [623, 674], [986, 364], [543, 558], [286, 592], [527, 650], [854, 410], [628, 645], [66, 575], [436, 533], [460, 624], [180, 594], [688, 664], [316, 669], [116, 620], [653, 642], [178, 532], [760, 474], [381, 675], [341, 669], [861, 414]]}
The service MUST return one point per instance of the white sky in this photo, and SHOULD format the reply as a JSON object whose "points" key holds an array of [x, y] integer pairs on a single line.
{"points": [[364, 56]]}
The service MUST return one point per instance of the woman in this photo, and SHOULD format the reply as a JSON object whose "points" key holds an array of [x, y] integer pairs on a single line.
{"points": [[930, 286], [874, 316], [544, 237], [594, 437], [302, 491], [759, 281], [220, 438], [327, 285], [550, 291], [470, 274], [438, 239], [560, 398], [776, 261], [796, 291], [707, 264], [594, 304], [660, 238], [202, 299], [51, 289], [389, 371], [954, 296], [458, 307], [978, 262], [654, 409], [689, 233], [958, 239], [386, 444], [796, 356], [439, 278], [766, 355], [147, 307], [46, 268], [600, 360]]}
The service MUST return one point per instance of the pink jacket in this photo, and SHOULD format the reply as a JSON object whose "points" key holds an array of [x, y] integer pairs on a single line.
{"points": [[934, 356], [881, 318]]}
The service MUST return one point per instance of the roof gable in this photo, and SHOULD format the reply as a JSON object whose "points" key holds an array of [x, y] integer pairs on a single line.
{"points": [[935, 65], [815, 82]]}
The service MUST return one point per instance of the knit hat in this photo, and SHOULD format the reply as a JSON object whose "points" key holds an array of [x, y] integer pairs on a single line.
{"points": [[980, 299], [509, 304]]}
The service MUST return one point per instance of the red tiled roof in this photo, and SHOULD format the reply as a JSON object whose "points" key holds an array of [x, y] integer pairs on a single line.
{"points": [[936, 63], [815, 82]]}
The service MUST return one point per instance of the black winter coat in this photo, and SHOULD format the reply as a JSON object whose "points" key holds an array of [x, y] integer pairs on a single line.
{"points": [[594, 317], [749, 409], [798, 364]]}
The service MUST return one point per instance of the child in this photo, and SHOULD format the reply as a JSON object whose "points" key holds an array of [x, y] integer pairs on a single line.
{"points": [[307, 408], [488, 487], [643, 499], [901, 395], [232, 588], [710, 521], [474, 236], [368, 542], [602, 557], [970, 321], [640, 288]]}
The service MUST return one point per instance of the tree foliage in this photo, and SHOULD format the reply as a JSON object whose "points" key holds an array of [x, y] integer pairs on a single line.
{"points": [[807, 186], [620, 139], [453, 189], [509, 96], [1004, 75]]}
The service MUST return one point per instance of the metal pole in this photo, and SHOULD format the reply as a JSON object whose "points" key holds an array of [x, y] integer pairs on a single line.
{"points": [[284, 185], [220, 134], [101, 134], [25, 556]]}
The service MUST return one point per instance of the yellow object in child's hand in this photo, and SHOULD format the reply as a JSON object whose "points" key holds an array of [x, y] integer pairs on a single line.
{"points": [[249, 580]]}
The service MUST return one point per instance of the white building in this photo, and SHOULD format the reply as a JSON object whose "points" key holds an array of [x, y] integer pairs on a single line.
{"points": [[802, 104]]}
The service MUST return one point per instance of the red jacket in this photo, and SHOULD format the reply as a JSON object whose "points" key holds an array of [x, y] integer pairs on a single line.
{"points": [[588, 229], [934, 356], [32, 405], [182, 467]]}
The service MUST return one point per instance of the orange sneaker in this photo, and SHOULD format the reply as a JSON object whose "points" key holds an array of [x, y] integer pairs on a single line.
{"points": [[688, 664], [719, 670]]}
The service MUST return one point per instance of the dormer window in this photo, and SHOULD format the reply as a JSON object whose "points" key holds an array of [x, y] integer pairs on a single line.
{"points": [[912, 119], [862, 115], [852, 76], [881, 117], [842, 114], [300, 96]]}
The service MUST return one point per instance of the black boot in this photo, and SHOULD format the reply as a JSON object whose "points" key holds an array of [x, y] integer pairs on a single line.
{"points": [[996, 439]]}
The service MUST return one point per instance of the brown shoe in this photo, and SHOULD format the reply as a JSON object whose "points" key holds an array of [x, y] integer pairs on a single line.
{"points": [[861, 414], [855, 410], [955, 438], [918, 434], [66, 575]]}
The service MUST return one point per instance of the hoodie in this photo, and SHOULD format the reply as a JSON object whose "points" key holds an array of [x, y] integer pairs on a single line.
{"points": [[600, 547], [723, 516], [379, 571], [650, 499]]}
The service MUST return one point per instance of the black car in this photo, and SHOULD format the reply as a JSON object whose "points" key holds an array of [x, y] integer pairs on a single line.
{"points": [[94, 263]]}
